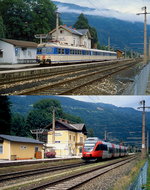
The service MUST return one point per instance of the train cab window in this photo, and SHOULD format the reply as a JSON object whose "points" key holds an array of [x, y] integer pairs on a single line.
{"points": [[49, 50], [43, 50], [101, 147], [89, 148]]}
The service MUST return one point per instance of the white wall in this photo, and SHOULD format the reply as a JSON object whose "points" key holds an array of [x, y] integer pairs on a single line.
{"points": [[8, 53], [12, 54], [72, 39]]}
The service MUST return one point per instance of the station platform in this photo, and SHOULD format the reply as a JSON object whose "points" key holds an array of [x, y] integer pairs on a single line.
{"points": [[17, 66], [7, 163]]}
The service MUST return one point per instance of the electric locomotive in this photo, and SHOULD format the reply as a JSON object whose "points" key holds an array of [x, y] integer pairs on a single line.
{"points": [[51, 53], [96, 149]]}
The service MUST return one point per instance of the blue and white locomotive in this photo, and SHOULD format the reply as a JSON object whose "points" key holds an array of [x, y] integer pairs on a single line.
{"points": [[50, 53]]}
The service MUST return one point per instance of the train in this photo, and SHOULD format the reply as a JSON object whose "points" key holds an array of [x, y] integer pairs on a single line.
{"points": [[51, 53], [96, 150]]}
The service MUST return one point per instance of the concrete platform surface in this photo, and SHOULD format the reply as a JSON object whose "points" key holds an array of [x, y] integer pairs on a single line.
{"points": [[18, 66]]}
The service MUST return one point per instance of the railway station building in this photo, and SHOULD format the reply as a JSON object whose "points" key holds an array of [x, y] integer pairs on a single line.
{"points": [[67, 140], [16, 51], [20, 148], [72, 37]]}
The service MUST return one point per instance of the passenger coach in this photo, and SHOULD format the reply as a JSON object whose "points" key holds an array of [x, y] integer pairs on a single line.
{"points": [[50, 53], [96, 149]]}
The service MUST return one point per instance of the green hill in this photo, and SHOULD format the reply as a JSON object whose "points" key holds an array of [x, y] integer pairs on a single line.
{"points": [[123, 34], [119, 122]]}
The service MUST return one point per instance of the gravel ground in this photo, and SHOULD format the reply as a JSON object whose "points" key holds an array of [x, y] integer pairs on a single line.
{"points": [[106, 181], [113, 85]]}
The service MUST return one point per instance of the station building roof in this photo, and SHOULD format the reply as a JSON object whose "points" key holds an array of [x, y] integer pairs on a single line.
{"points": [[20, 43], [20, 139], [64, 125]]}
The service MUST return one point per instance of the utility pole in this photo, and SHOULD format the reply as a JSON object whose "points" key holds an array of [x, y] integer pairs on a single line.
{"points": [[148, 142], [57, 25], [145, 32], [149, 48], [109, 42], [143, 128], [53, 129]]}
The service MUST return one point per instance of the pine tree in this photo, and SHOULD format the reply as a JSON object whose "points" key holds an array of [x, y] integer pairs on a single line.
{"points": [[82, 23], [5, 115]]}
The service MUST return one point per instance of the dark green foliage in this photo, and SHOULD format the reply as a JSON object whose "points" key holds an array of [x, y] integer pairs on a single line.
{"points": [[5, 115], [97, 116], [25, 18], [90, 133], [82, 23], [123, 34], [2, 28], [39, 116], [18, 125], [72, 118]]}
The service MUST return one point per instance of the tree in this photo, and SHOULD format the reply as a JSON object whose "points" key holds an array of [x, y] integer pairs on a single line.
{"points": [[25, 18], [2, 28], [18, 125], [90, 132], [82, 23], [41, 115], [5, 115]]}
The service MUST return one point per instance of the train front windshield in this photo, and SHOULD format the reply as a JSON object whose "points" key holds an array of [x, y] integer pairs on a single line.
{"points": [[89, 147]]}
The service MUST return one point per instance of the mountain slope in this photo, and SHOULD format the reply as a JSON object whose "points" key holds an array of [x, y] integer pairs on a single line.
{"points": [[123, 34], [98, 116]]}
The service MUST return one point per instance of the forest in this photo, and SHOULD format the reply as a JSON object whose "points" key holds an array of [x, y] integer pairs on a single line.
{"points": [[13, 123], [23, 19]]}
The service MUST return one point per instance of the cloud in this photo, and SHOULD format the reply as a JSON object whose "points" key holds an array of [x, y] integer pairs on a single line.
{"points": [[120, 101], [120, 9]]}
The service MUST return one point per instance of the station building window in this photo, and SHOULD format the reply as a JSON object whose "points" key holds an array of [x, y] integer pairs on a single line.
{"points": [[70, 137], [80, 149], [1, 53], [23, 147], [1, 148], [81, 139], [36, 148]]}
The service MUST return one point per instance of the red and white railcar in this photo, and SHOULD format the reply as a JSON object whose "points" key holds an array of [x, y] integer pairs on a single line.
{"points": [[96, 149]]}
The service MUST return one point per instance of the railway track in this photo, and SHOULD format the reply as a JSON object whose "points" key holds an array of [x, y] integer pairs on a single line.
{"points": [[76, 80], [27, 173], [17, 82], [75, 180]]}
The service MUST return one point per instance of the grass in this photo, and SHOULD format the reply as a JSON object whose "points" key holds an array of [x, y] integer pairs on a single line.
{"points": [[124, 182], [147, 186]]}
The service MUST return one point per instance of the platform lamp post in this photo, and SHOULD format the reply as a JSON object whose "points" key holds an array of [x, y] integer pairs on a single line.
{"points": [[143, 128], [145, 32]]}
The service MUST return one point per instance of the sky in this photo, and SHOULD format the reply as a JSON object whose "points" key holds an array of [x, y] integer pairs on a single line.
{"points": [[122, 9], [120, 101]]}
